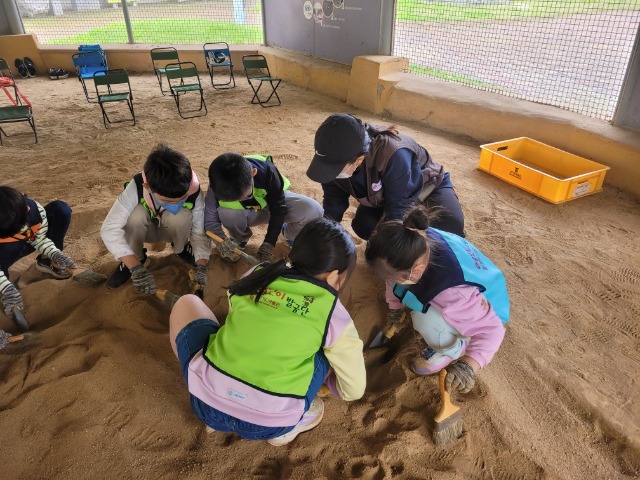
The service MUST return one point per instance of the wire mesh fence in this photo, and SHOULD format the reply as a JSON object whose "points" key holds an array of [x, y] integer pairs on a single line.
{"points": [[175, 22], [571, 54]]}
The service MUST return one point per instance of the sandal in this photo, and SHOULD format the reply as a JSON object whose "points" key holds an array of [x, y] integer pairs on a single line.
{"points": [[22, 68], [31, 67]]}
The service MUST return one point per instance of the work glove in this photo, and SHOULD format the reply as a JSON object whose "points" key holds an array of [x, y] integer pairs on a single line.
{"points": [[226, 249], [4, 339], [394, 317], [11, 299], [199, 276], [265, 252], [63, 261], [143, 280], [460, 376]]}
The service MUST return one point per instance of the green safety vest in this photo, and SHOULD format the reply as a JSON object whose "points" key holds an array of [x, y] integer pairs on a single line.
{"points": [[271, 345], [259, 194]]}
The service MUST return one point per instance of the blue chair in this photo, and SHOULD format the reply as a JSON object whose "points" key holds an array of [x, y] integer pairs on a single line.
{"points": [[217, 55], [89, 60]]}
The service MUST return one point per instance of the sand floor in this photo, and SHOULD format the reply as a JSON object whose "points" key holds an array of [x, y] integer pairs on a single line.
{"points": [[96, 392]]}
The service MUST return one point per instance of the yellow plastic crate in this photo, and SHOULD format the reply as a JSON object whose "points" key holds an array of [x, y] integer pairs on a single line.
{"points": [[550, 173]]}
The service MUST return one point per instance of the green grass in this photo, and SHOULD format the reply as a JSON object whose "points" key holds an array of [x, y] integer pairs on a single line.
{"points": [[451, 77], [444, 11], [176, 31]]}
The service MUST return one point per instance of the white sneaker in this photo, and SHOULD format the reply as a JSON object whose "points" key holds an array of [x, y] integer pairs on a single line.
{"points": [[309, 420]]}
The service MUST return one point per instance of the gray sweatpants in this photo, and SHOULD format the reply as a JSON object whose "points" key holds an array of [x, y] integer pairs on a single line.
{"points": [[170, 228], [438, 334], [300, 210]]}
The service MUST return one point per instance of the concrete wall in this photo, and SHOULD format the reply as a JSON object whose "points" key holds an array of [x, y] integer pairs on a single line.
{"points": [[380, 84]]}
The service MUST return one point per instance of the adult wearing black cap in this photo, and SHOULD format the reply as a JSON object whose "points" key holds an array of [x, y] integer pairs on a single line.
{"points": [[386, 171]]}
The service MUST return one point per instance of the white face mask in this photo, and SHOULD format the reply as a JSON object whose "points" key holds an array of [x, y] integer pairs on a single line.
{"points": [[408, 282], [343, 175]]}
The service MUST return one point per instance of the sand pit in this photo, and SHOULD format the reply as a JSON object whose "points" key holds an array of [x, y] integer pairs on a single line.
{"points": [[97, 393]]}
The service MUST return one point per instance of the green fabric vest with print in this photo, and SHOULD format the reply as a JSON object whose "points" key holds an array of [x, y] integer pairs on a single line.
{"points": [[259, 194], [271, 345]]}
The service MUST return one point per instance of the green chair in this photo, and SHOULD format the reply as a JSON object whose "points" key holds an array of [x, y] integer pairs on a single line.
{"points": [[110, 88], [161, 58], [15, 114], [183, 78], [257, 71]]}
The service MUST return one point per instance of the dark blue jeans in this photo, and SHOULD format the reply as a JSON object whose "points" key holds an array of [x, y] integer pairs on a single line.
{"points": [[58, 218], [193, 338]]}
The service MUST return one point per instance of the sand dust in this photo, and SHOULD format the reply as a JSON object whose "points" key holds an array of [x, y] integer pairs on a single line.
{"points": [[97, 393]]}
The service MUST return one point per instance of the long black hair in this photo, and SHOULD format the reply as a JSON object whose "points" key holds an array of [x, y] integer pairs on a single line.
{"points": [[13, 211], [401, 243], [321, 246]]}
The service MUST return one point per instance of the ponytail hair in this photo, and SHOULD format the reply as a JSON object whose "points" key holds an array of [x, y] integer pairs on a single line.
{"points": [[375, 130], [321, 246], [401, 243]]}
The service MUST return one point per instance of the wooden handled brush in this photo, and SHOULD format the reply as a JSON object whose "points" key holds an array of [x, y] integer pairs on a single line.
{"points": [[448, 421], [169, 298]]}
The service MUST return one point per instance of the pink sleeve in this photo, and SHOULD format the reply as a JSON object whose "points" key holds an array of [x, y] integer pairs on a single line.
{"points": [[392, 300], [467, 310]]}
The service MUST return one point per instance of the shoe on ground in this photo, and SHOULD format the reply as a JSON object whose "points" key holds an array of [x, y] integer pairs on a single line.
{"points": [[22, 68], [58, 73], [429, 362], [122, 274], [284, 239], [45, 265], [31, 67], [187, 254], [310, 419]]}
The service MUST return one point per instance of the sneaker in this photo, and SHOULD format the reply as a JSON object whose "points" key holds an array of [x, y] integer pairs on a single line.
{"points": [[429, 362], [285, 239], [58, 73], [31, 67], [22, 68], [45, 265], [187, 254], [122, 274], [310, 419]]}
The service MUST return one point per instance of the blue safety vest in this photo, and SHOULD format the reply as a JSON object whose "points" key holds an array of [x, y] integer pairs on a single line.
{"points": [[454, 262]]}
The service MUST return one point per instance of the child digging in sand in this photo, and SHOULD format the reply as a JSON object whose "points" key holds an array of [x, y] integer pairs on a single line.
{"points": [[458, 298], [286, 334]]}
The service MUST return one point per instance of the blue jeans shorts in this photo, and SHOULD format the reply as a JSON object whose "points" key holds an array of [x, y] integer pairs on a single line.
{"points": [[193, 338]]}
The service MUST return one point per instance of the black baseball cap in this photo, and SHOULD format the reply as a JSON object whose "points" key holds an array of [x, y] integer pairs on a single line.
{"points": [[339, 140]]}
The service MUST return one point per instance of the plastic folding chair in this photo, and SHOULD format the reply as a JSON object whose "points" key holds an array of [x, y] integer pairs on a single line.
{"points": [[257, 71], [161, 57], [89, 60], [217, 55], [183, 78], [110, 89]]}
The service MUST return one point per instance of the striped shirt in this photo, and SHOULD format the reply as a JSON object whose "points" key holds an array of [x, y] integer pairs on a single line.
{"points": [[41, 243]]}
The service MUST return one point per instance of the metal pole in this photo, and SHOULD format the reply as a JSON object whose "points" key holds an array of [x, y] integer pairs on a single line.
{"points": [[127, 20], [13, 17], [264, 22]]}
